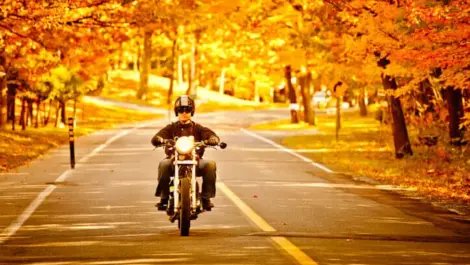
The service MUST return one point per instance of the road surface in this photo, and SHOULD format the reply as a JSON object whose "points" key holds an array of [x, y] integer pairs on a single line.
{"points": [[272, 207]]}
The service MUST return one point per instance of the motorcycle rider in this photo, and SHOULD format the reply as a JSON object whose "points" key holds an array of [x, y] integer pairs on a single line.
{"points": [[184, 109]]}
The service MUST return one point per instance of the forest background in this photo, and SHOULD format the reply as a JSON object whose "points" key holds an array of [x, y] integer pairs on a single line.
{"points": [[407, 60]]}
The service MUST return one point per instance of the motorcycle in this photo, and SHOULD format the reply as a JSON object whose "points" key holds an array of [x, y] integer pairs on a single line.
{"points": [[184, 203]]}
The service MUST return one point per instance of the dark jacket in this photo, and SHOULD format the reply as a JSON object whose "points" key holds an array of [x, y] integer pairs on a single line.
{"points": [[177, 129]]}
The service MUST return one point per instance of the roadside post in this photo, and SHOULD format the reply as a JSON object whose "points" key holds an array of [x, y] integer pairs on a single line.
{"points": [[72, 143]]}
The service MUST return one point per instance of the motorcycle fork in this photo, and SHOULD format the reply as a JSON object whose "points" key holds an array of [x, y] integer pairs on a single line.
{"points": [[193, 183], [176, 187]]}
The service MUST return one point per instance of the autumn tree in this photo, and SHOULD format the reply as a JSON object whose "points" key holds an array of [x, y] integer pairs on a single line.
{"points": [[437, 48], [37, 36]]}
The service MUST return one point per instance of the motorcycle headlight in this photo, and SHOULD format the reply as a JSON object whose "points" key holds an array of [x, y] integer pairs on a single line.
{"points": [[185, 145]]}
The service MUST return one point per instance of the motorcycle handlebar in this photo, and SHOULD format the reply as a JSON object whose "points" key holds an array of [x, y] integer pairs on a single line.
{"points": [[222, 145], [171, 142]]}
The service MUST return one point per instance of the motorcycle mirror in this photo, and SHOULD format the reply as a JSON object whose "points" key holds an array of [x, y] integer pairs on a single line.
{"points": [[223, 145]]}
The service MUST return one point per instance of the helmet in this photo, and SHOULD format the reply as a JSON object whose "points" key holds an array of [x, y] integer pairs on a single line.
{"points": [[184, 101]]}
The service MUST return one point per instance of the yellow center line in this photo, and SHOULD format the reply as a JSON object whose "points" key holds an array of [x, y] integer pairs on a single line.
{"points": [[283, 242]]}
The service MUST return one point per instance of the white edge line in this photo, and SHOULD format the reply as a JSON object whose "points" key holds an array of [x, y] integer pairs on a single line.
{"points": [[24, 216], [290, 151], [13, 227], [287, 150]]}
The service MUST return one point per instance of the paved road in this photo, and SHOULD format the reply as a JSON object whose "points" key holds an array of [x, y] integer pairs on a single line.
{"points": [[272, 208]]}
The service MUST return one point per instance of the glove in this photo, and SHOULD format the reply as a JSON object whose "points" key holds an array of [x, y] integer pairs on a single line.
{"points": [[158, 140], [213, 140]]}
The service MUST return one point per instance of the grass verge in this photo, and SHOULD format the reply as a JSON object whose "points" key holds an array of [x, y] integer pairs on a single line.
{"points": [[19, 147], [365, 148], [124, 85]]}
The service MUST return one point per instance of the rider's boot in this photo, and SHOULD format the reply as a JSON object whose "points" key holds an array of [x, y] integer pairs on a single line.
{"points": [[171, 207], [207, 204], [162, 205]]}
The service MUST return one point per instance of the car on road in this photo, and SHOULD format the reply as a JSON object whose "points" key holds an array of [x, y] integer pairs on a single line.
{"points": [[320, 99]]}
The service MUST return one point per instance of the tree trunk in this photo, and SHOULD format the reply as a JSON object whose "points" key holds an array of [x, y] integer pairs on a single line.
{"points": [[11, 99], [46, 115], [292, 96], [121, 58], [46, 119], [180, 71], [222, 82], [30, 115], [172, 77], [3, 88], [23, 114], [145, 67], [193, 83], [12, 102], [10, 107], [338, 116], [362, 103], [38, 110], [138, 59], [191, 69], [196, 67], [305, 84], [400, 133], [425, 93], [2, 98], [27, 113], [63, 109], [456, 113], [256, 97], [57, 115]]}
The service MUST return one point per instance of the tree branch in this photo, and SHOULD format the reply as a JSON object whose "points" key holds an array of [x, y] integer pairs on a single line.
{"points": [[23, 36], [99, 3], [370, 10], [78, 20], [389, 35], [334, 4]]}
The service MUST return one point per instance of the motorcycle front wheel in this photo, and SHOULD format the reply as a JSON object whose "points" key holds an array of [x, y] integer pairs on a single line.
{"points": [[185, 213]]}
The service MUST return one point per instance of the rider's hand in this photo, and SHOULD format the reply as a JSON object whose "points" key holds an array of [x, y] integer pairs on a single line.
{"points": [[213, 140], [159, 140]]}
